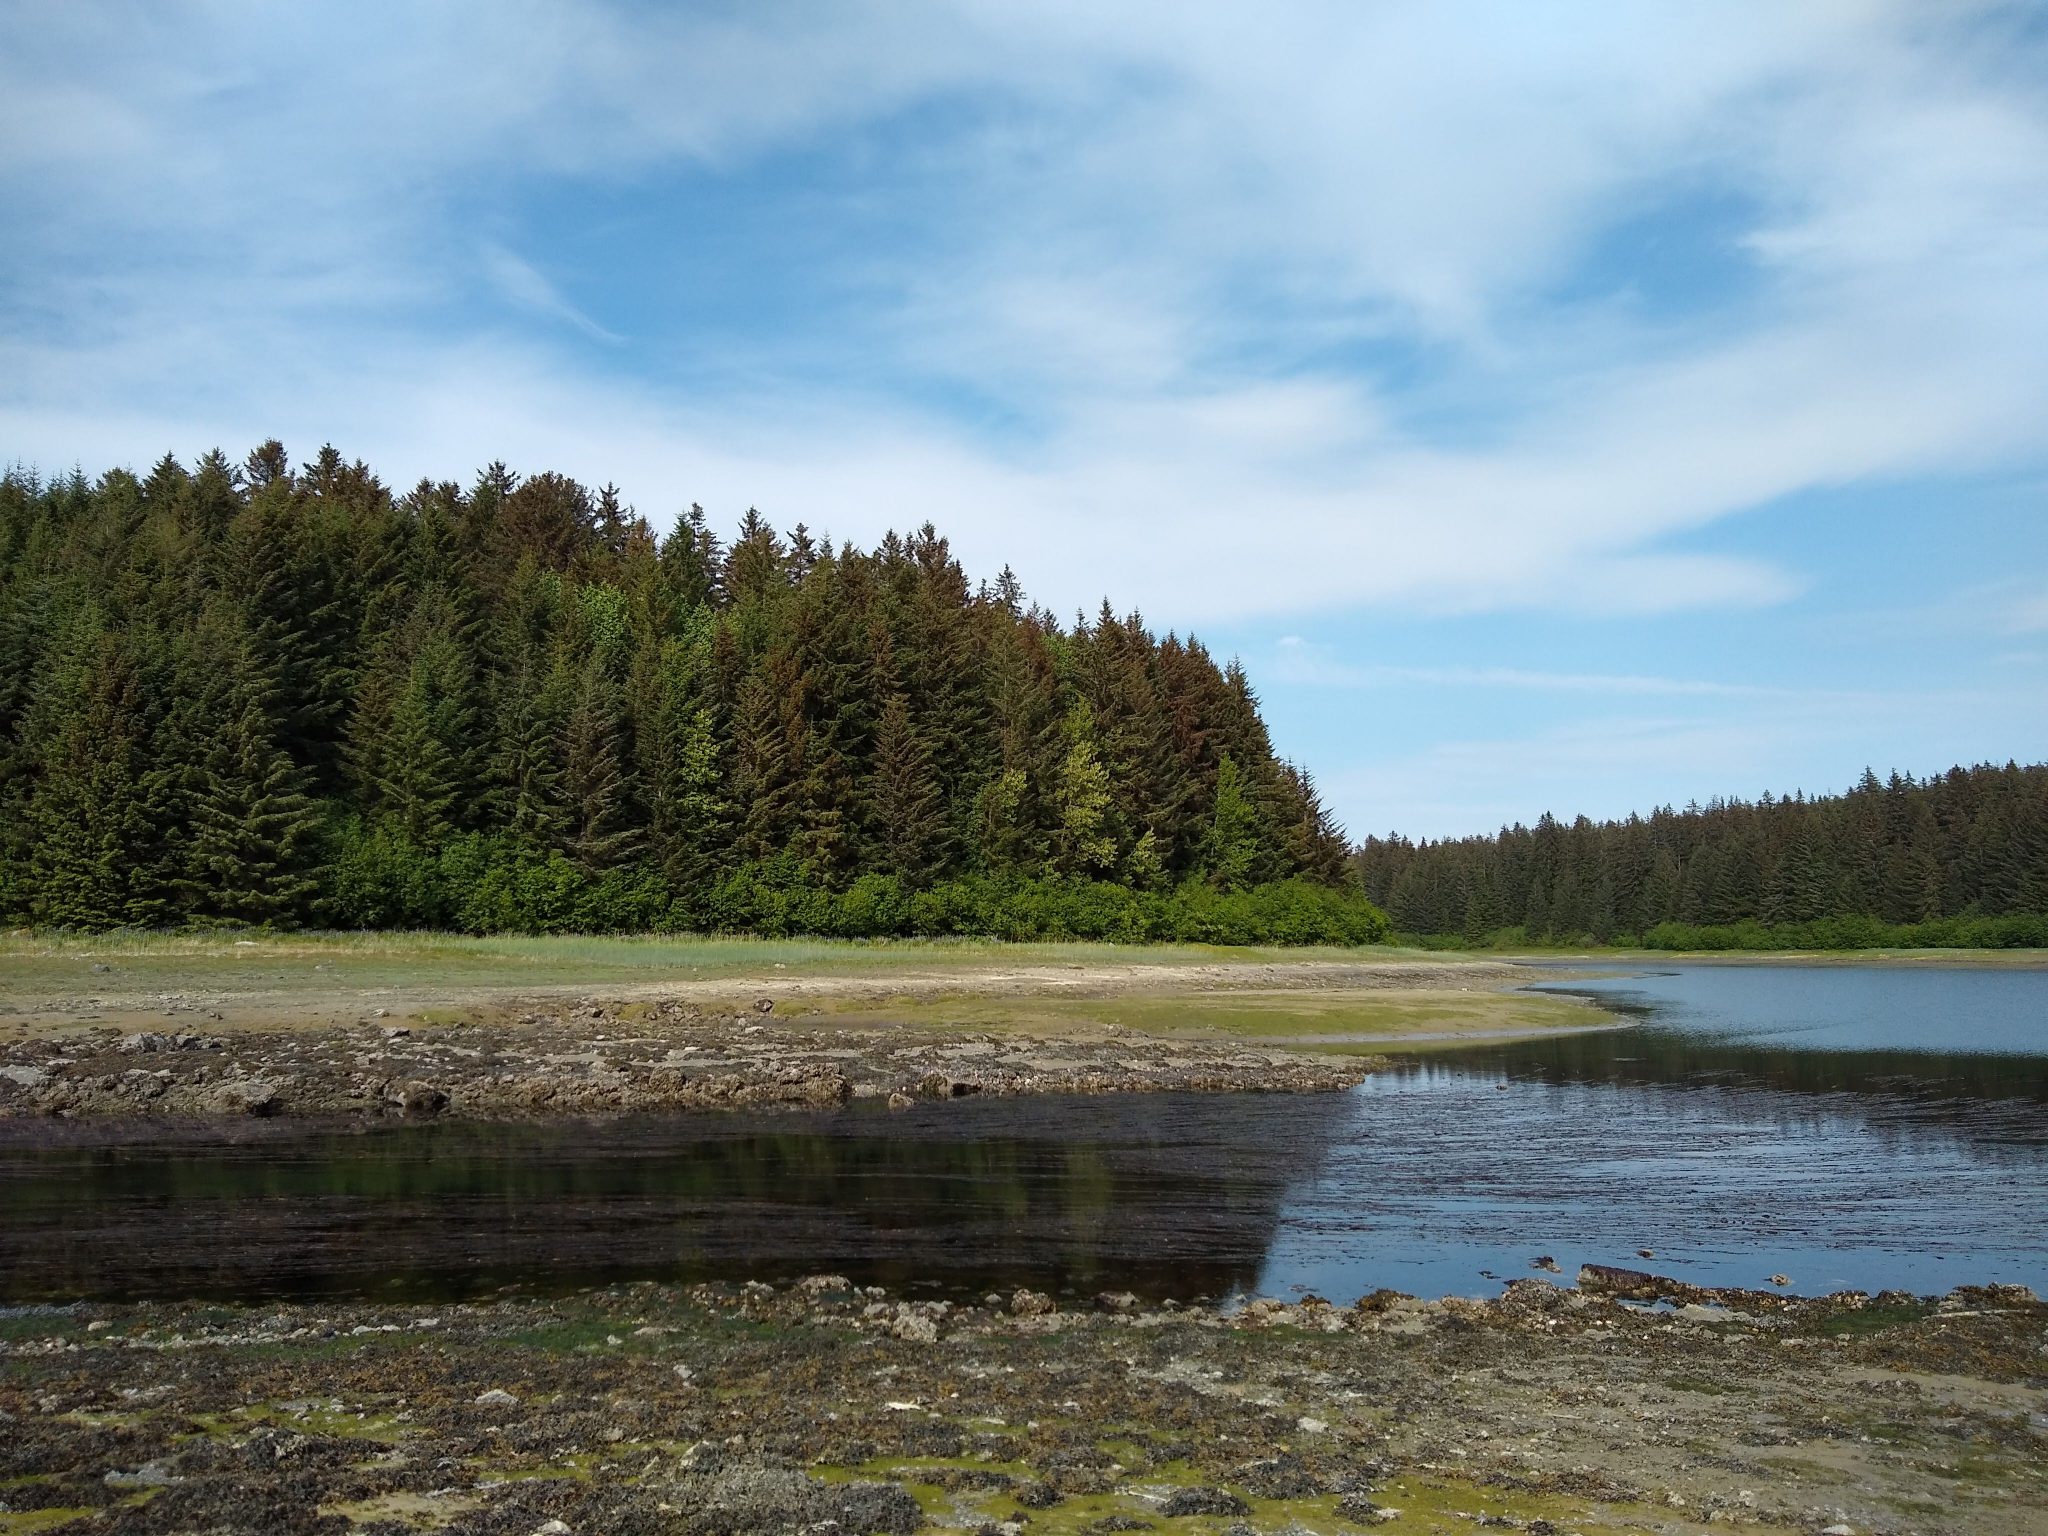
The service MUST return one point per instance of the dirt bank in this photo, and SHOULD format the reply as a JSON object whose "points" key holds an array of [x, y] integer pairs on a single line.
{"points": [[612, 1059], [819, 1407], [495, 1030]]}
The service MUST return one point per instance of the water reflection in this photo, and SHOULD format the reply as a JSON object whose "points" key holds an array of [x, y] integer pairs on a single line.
{"points": [[1847, 1127], [1159, 1194]]}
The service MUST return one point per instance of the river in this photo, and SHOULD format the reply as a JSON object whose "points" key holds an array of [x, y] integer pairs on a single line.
{"points": [[1846, 1126]]}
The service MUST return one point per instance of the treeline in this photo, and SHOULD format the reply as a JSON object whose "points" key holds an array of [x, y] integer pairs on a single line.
{"points": [[254, 694], [1958, 859]]}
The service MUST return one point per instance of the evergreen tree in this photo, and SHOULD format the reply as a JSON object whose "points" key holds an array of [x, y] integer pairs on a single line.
{"points": [[599, 827], [252, 827], [509, 705], [1231, 851], [909, 810], [1084, 843], [92, 819]]}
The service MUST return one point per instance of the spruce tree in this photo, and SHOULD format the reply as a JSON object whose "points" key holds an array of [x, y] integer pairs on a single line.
{"points": [[600, 825], [909, 811], [92, 818], [252, 826], [1084, 842], [1231, 851]]}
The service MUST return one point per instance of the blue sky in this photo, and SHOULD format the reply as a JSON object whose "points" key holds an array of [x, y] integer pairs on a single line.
{"points": [[1572, 408]]}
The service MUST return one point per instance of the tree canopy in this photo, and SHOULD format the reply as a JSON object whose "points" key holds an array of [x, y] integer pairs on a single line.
{"points": [[253, 693], [1959, 858]]}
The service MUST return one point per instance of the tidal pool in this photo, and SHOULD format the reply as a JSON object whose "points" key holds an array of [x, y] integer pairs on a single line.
{"points": [[1845, 1126]]}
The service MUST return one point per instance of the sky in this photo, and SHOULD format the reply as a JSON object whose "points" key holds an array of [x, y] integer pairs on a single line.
{"points": [[1557, 407]]}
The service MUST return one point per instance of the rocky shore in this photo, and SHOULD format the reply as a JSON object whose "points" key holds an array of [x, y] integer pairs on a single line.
{"points": [[598, 1059], [823, 1407]]}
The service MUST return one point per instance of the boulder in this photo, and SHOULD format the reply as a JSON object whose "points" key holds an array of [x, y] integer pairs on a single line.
{"points": [[416, 1098], [1626, 1284], [241, 1096]]}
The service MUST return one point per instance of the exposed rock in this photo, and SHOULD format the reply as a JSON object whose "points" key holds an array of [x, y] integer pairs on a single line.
{"points": [[1277, 1477], [496, 1397], [416, 1098], [1632, 1284], [241, 1096], [1203, 1501], [749, 1496], [151, 1474], [1026, 1303]]}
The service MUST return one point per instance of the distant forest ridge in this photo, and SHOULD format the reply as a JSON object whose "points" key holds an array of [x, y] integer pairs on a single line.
{"points": [[250, 693], [1957, 859]]}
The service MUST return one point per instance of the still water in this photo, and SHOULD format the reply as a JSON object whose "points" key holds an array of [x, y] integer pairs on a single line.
{"points": [[1845, 1126]]}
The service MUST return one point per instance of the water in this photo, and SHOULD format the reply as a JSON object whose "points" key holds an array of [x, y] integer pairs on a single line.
{"points": [[1849, 1127], [1846, 1126]]}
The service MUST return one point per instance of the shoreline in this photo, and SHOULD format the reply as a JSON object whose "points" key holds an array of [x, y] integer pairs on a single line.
{"points": [[755, 1408], [403, 1029]]}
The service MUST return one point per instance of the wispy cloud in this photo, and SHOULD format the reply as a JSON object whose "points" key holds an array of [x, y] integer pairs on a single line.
{"points": [[1599, 766], [1477, 309], [2029, 614], [1298, 662], [1162, 251], [521, 284]]}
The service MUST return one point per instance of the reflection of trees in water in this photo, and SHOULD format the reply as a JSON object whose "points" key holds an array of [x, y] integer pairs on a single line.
{"points": [[1984, 1101], [1162, 1194]]}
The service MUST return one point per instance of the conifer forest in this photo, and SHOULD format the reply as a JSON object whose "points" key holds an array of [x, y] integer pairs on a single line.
{"points": [[258, 694], [1960, 859]]}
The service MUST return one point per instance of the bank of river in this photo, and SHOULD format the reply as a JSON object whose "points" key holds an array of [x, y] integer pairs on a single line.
{"points": [[399, 1321], [713, 1411], [1842, 1130]]}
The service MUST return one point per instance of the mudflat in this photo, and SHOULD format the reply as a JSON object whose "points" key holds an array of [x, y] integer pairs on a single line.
{"points": [[819, 1406], [505, 1029]]}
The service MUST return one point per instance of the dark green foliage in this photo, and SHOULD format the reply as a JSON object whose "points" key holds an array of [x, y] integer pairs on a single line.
{"points": [[1959, 859], [254, 694]]}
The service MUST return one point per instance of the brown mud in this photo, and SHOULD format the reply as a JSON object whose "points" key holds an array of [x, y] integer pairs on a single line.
{"points": [[596, 1059]]}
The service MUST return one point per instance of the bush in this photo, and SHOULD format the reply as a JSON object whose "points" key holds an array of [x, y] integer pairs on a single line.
{"points": [[378, 877]]}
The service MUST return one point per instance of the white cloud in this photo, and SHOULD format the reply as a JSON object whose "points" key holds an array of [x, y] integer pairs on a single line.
{"points": [[2029, 614], [1611, 765], [523, 286], [1303, 662], [1160, 228]]}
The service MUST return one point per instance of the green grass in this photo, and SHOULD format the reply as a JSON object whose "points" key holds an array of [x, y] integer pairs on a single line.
{"points": [[42, 966], [1196, 992], [1327, 1017], [1864, 1321]]}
